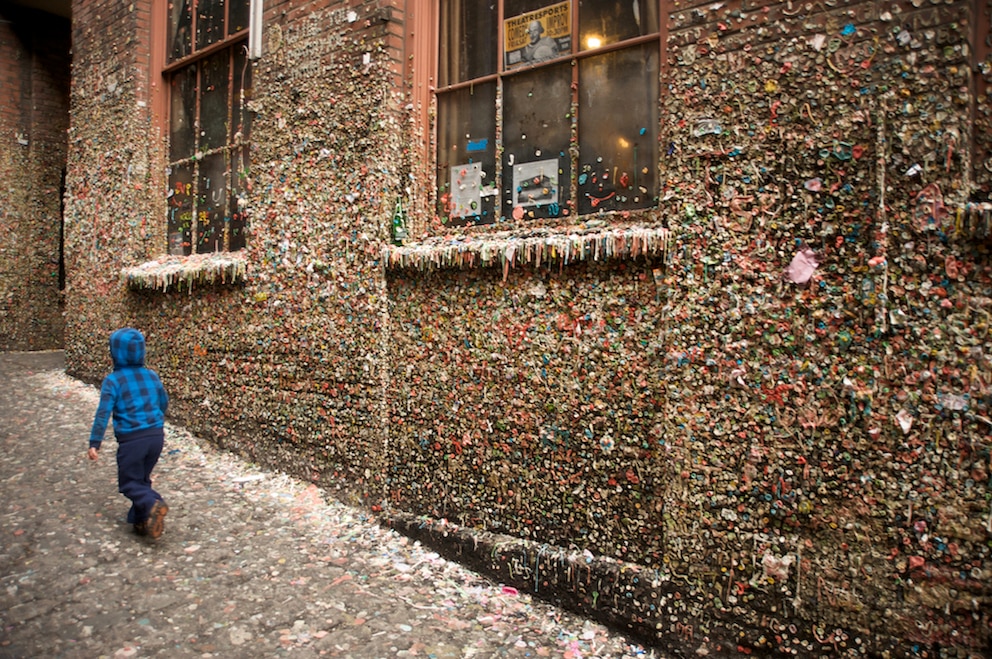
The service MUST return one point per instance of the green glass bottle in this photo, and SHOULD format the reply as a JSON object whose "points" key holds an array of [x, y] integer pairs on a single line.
{"points": [[399, 225]]}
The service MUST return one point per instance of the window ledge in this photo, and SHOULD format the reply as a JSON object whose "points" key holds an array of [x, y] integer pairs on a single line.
{"points": [[177, 272], [536, 247]]}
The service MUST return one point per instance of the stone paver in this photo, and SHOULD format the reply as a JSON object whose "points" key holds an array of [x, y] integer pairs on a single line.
{"points": [[252, 563]]}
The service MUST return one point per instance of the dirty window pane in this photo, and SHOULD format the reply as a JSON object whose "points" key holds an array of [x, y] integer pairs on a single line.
{"points": [[466, 162], [618, 151], [209, 22], [209, 125], [516, 7], [215, 101], [241, 118], [182, 115], [536, 130], [468, 40], [180, 26], [211, 207], [237, 204], [180, 201], [603, 22], [238, 19]]}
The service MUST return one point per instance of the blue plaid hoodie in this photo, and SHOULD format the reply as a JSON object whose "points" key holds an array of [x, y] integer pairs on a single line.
{"points": [[133, 394]]}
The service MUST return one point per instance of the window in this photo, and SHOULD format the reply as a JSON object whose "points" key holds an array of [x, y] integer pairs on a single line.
{"points": [[209, 80], [564, 94], [982, 132]]}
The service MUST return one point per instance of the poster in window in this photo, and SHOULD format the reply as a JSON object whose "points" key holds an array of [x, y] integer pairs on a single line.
{"points": [[538, 36], [535, 183], [466, 190]]}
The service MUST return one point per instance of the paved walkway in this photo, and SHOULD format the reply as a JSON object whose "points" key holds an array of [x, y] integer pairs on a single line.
{"points": [[252, 563]]}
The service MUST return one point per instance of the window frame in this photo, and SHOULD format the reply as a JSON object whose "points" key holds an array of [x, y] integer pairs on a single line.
{"points": [[504, 73], [236, 141]]}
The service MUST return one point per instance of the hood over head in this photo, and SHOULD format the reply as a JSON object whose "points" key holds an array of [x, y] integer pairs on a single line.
{"points": [[127, 347]]}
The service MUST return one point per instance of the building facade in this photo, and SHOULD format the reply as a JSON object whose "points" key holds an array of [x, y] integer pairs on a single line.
{"points": [[34, 115], [677, 313]]}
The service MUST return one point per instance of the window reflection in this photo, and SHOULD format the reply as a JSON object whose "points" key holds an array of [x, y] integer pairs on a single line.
{"points": [[618, 147], [466, 160], [210, 15], [182, 116], [470, 47], [237, 18], [241, 122], [536, 129], [236, 207], [603, 22], [215, 102], [180, 29], [180, 201], [212, 204]]}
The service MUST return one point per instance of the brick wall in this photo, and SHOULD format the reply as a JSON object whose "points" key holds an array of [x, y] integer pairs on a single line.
{"points": [[755, 462], [34, 86], [115, 178]]}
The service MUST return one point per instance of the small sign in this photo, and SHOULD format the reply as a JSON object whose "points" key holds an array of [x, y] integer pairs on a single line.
{"points": [[538, 36]]}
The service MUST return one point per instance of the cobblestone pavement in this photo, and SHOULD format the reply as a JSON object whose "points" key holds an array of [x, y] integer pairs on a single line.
{"points": [[252, 563]]}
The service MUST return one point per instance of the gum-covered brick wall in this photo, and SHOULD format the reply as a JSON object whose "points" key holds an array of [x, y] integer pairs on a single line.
{"points": [[287, 368], [832, 313], [34, 113], [786, 419], [754, 420], [530, 405], [114, 191]]}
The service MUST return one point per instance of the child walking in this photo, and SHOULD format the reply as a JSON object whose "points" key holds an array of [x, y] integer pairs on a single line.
{"points": [[135, 397]]}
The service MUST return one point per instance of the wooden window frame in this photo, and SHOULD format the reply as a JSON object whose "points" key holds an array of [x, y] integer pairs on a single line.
{"points": [[161, 72], [425, 92]]}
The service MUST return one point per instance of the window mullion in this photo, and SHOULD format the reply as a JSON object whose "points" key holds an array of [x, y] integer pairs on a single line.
{"points": [[197, 159], [468, 83], [500, 38], [228, 159], [205, 52], [498, 147], [574, 156]]}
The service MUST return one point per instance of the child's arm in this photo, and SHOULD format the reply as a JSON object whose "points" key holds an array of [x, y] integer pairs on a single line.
{"points": [[108, 396]]}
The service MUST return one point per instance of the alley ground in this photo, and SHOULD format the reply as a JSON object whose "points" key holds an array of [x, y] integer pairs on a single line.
{"points": [[252, 563]]}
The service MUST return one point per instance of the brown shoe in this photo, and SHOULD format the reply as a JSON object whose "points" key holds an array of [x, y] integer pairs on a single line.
{"points": [[156, 519], [141, 528]]}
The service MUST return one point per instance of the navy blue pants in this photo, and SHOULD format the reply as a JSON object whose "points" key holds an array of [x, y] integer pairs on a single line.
{"points": [[137, 455]]}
